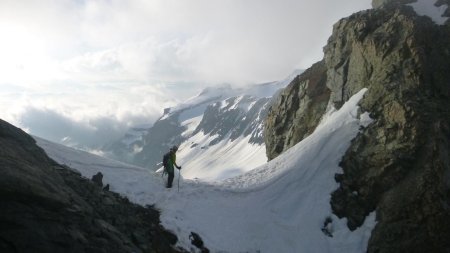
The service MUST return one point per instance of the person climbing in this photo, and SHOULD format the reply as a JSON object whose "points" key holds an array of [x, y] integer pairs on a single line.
{"points": [[169, 161]]}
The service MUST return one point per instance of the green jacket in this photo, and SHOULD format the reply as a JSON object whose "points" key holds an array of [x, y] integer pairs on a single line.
{"points": [[172, 162]]}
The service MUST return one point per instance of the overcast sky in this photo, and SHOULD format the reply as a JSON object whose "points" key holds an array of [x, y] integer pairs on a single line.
{"points": [[86, 70]]}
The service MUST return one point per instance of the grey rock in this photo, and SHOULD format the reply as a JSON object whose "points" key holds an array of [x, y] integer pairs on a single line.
{"points": [[46, 207], [296, 111]]}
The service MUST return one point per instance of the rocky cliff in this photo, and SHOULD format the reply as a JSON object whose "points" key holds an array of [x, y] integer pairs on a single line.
{"points": [[46, 207], [297, 110], [399, 165]]}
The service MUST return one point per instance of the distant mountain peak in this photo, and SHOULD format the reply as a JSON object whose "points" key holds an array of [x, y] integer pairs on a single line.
{"points": [[218, 116]]}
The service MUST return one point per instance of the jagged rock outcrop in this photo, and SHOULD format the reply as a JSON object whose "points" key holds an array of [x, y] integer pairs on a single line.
{"points": [[46, 207], [398, 166], [297, 110]]}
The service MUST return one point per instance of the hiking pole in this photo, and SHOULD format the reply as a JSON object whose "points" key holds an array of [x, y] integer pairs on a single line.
{"points": [[179, 174]]}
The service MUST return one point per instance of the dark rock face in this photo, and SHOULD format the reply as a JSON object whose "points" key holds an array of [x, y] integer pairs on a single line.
{"points": [[46, 207], [297, 110], [398, 166]]}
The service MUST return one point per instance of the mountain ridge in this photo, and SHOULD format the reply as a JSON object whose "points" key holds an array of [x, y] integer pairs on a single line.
{"points": [[223, 115]]}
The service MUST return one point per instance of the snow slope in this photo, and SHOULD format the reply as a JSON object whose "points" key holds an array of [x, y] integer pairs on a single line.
{"points": [[221, 161], [277, 207]]}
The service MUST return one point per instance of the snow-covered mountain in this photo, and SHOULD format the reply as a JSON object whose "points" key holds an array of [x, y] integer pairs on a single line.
{"points": [[369, 172], [278, 207], [219, 132]]}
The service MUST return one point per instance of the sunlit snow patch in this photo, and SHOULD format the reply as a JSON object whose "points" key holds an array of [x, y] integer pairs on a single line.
{"points": [[428, 8], [223, 160]]}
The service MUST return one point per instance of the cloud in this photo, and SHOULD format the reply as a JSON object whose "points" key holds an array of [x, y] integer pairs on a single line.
{"points": [[59, 128], [87, 116], [144, 61], [199, 40], [104, 65]]}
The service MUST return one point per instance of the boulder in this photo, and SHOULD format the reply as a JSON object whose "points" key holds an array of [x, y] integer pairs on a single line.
{"points": [[97, 179]]}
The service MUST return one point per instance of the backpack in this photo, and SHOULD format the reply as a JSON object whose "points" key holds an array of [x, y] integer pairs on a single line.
{"points": [[166, 158]]}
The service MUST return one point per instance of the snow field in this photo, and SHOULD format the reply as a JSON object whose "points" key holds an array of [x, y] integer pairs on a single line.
{"points": [[220, 161]]}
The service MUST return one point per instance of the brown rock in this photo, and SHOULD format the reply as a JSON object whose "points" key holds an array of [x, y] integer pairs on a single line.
{"points": [[296, 111]]}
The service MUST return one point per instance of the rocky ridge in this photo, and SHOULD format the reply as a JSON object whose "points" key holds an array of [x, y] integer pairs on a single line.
{"points": [[398, 166], [296, 111], [47, 207]]}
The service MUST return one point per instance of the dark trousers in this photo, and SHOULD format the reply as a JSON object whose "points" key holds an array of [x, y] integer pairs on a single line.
{"points": [[170, 179]]}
